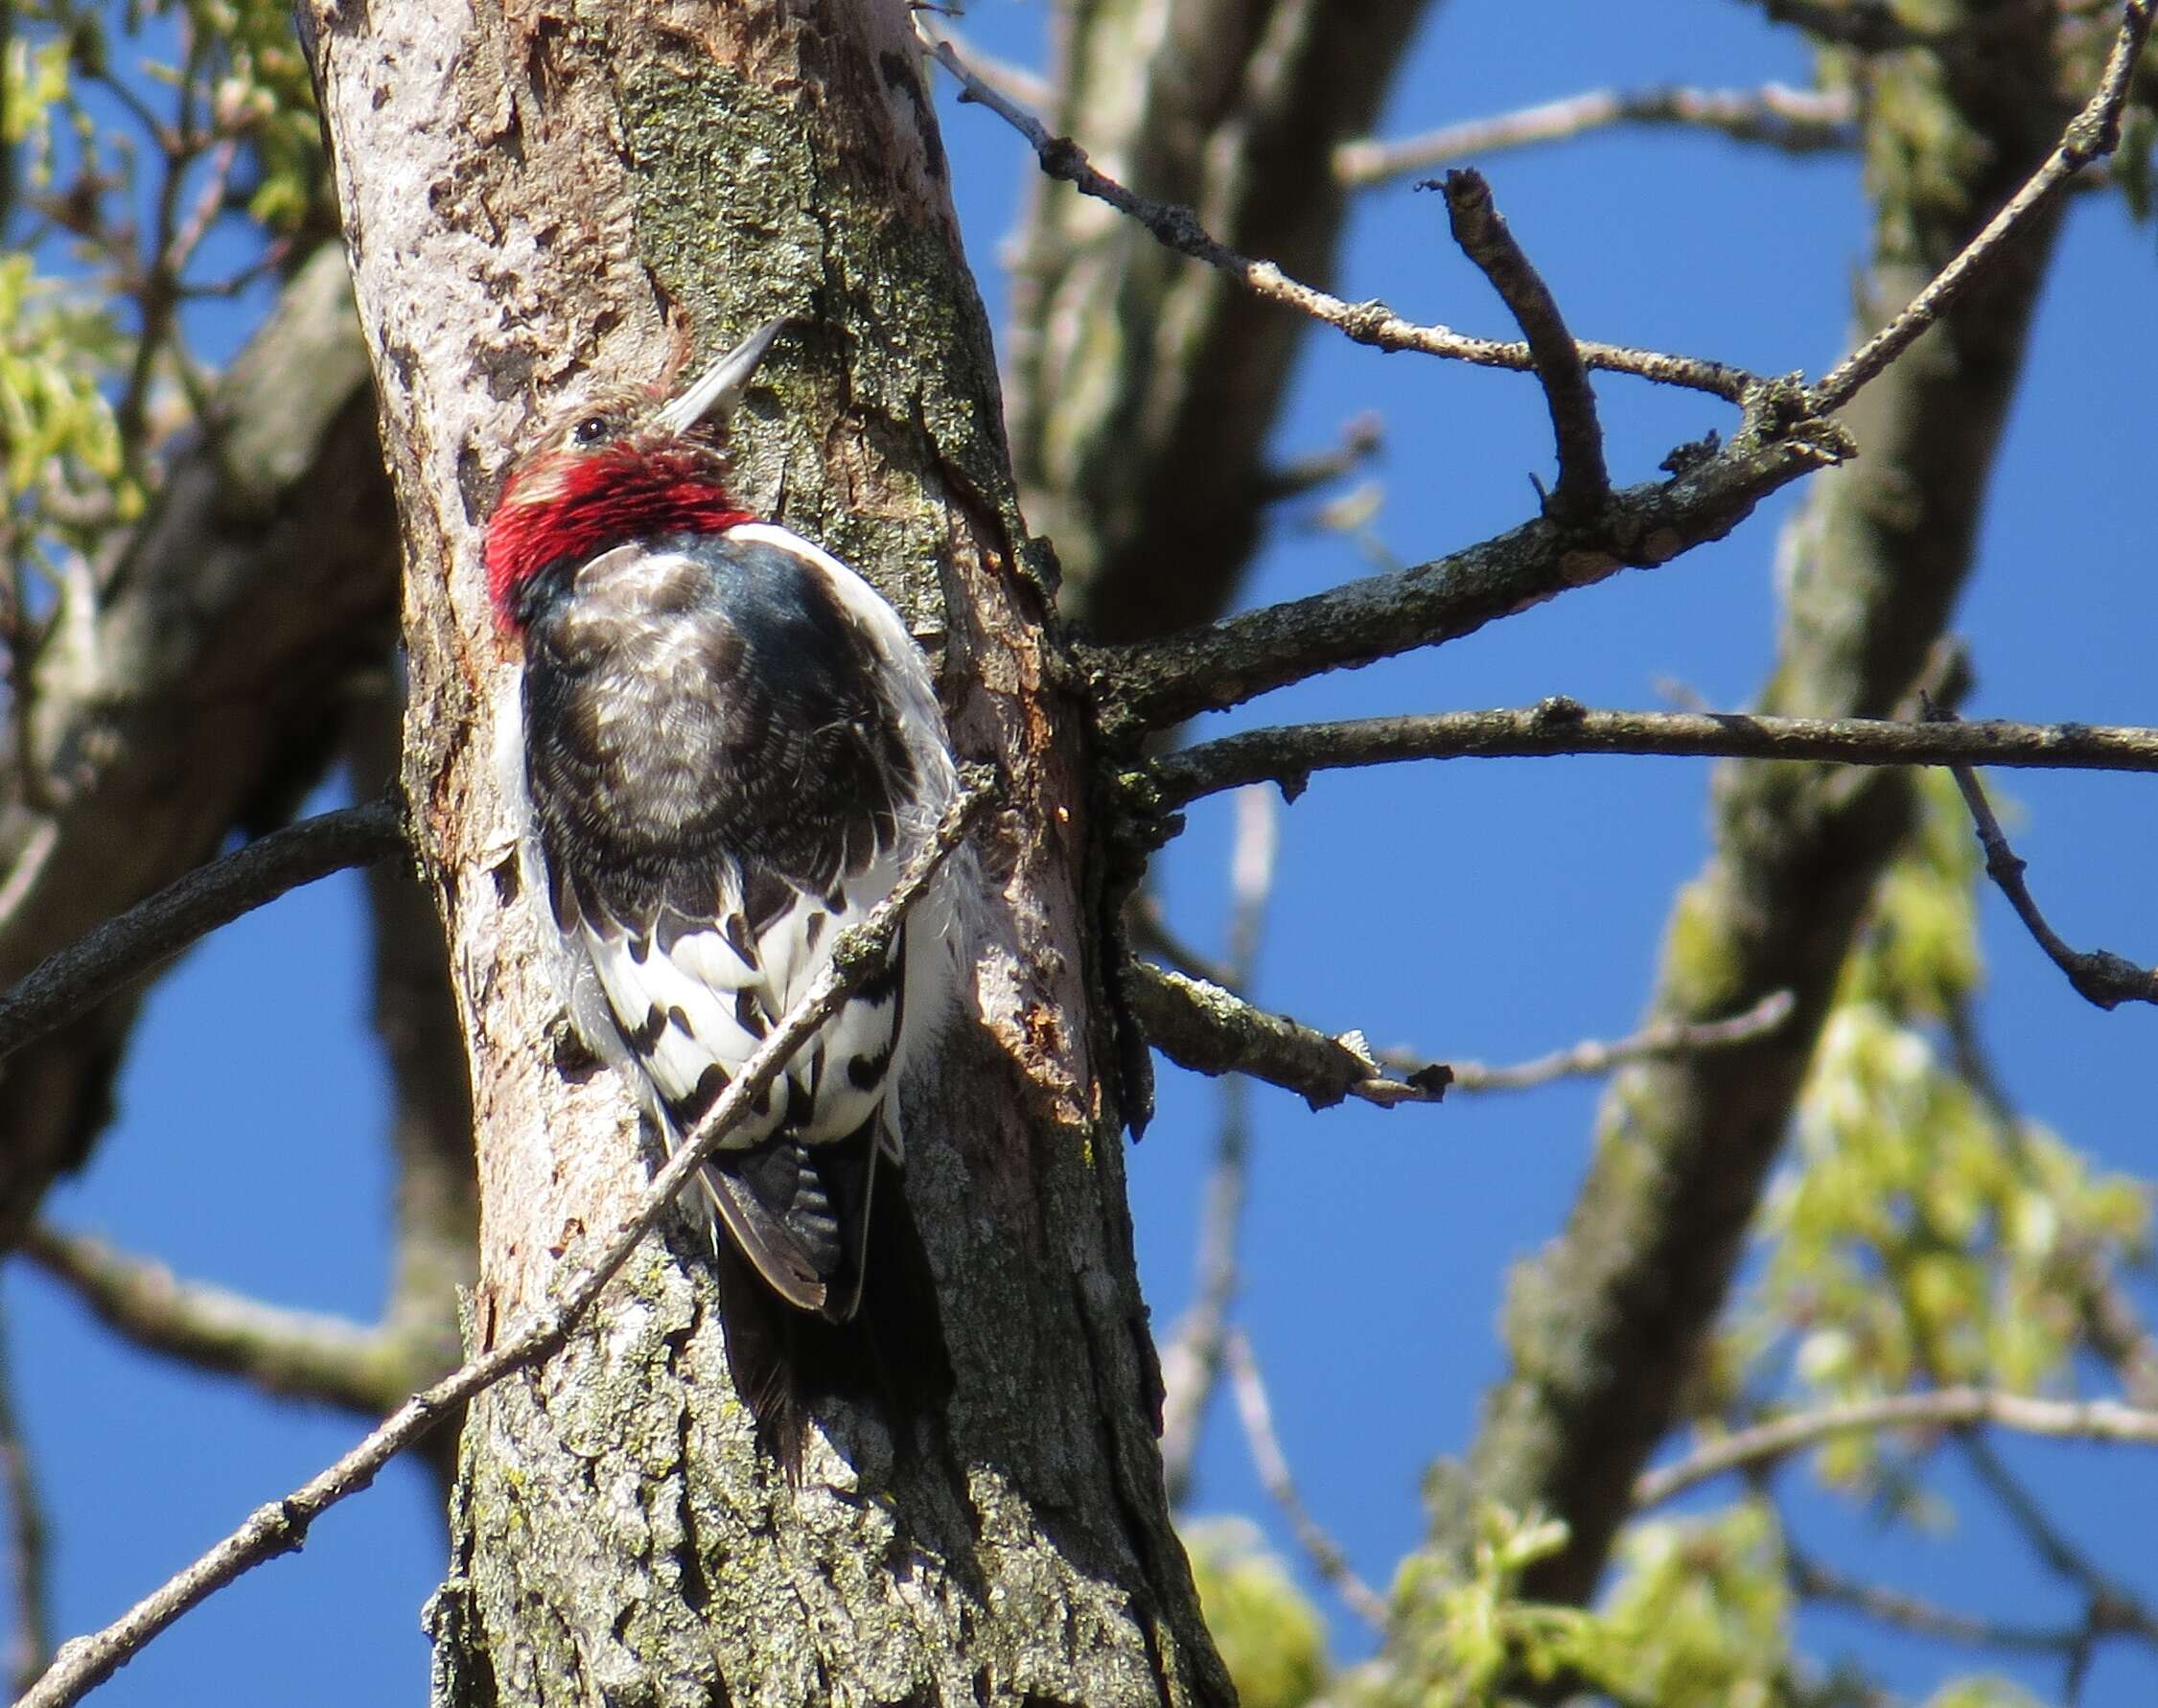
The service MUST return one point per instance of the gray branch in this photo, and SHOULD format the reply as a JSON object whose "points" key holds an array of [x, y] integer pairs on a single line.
{"points": [[1596, 1055], [1210, 1030], [296, 1353], [69, 983], [1584, 483], [1605, 1328], [1373, 323], [2098, 976], [1793, 121], [1289, 754]]}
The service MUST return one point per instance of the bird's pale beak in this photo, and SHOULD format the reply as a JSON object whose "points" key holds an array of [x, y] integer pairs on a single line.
{"points": [[716, 391]]}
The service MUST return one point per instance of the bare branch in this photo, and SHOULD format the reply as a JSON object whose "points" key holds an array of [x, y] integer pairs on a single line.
{"points": [[301, 1355], [74, 981], [31, 1647], [1273, 1464], [1938, 1408], [1816, 1583], [1152, 932], [1360, 439], [1794, 121], [1021, 84], [2054, 1551], [1209, 1030], [1191, 1362], [2091, 135], [1584, 483], [1600, 1056], [281, 1525], [1371, 323], [1288, 754], [1156, 684], [2098, 976]]}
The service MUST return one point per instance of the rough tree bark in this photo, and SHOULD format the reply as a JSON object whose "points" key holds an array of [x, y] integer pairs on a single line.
{"points": [[1606, 1328], [535, 201]]}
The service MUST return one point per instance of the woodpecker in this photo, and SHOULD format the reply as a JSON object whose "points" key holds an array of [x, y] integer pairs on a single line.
{"points": [[727, 749]]}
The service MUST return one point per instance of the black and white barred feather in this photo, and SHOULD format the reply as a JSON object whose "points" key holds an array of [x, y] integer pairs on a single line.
{"points": [[728, 749]]}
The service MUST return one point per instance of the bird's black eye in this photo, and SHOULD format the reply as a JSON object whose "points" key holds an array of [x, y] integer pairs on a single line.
{"points": [[590, 431]]}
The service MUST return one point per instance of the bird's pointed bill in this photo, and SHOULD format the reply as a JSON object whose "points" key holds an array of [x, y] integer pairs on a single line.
{"points": [[719, 387]]}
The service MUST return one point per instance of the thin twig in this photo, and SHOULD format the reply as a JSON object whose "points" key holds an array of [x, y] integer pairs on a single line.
{"points": [[30, 1646], [1191, 1360], [281, 1525], [1361, 437], [1020, 83], [301, 1355], [1212, 1031], [1156, 684], [1373, 323], [73, 980], [1273, 1464], [1288, 754], [1938, 1408], [1813, 1582], [209, 204], [2098, 976], [1596, 1055], [1152, 932], [2091, 135], [1583, 484], [1794, 121], [2117, 1608]]}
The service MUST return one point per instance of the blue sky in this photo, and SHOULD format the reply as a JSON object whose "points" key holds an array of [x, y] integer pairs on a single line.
{"points": [[1494, 909]]}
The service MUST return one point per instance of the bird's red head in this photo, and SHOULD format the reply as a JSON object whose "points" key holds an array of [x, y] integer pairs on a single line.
{"points": [[627, 466]]}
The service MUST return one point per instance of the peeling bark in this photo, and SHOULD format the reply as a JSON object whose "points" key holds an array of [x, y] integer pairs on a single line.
{"points": [[535, 203]]}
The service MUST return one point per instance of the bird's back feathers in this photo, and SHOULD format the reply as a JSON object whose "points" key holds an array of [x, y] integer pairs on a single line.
{"points": [[731, 752]]}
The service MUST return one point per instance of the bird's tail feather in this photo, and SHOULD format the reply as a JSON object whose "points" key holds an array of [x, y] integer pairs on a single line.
{"points": [[889, 1355]]}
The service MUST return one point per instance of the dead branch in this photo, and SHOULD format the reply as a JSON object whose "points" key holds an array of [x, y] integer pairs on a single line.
{"points": [[1191, 1360], [30, 1649], [1793, 121], [1371, 323], [297, 1353], [1584, 483], [1209, 1030], [1288, 754], [1595, 1056], [2094, 133], [2098, 976], [71, 982], [1273, 1464], [1936, 1409]]}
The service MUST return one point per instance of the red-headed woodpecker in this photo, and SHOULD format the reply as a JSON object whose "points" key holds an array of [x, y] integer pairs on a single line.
{"points": [[729, 750]]}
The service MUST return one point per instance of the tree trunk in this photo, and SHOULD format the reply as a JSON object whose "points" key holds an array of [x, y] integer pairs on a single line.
{"points": [[538, 201], [198, 686]]}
